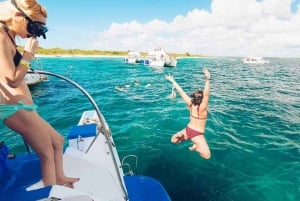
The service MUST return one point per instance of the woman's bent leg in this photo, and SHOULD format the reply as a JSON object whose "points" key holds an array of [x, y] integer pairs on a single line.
{"points": [[61, 179], [201, 146], [36, 133], [179, 137]]}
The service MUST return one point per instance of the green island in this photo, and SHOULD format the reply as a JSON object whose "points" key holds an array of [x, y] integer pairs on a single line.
{"points": [[62, 52]]}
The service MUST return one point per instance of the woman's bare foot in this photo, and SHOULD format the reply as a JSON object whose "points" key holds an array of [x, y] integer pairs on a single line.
{"points": [[69, 185], [192, 148], [67, 181], [177, 138]]}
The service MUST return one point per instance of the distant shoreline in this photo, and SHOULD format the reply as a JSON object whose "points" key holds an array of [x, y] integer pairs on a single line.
{"points": [[101, 56], [73, 55]]}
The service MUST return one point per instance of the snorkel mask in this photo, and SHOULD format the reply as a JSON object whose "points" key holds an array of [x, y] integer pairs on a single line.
{"points": [[35, 28]]}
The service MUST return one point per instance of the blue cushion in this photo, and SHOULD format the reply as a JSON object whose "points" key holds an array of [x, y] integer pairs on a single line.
{"points": [[88, 130], [24, 170]]}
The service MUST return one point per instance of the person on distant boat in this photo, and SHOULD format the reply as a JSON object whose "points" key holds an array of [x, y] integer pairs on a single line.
{"points": [[197, 104], [27, 18]]}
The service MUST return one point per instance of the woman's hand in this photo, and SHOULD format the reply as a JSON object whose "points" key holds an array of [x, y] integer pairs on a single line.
{"points": [[206, 73], [31, 48], [170, 78]]}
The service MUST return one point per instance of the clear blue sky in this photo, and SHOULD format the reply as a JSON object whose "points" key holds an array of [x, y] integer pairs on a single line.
{"points": [[87, 24]]}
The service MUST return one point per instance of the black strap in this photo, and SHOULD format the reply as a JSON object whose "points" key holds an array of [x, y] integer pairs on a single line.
{"points": [[18, 56], [6, 30]]}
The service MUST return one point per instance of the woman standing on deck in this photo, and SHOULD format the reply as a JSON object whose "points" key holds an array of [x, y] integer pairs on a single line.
{"points": [[197, 105], [27, 18]]}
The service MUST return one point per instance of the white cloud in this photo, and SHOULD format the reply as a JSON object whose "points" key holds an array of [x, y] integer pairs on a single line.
{"points": [[281, 9], [232, 28]]}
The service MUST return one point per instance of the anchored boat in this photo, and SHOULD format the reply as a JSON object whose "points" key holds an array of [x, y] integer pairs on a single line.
{"points": [[133, 58], [160, 58], [34, 78], [255, 60]]}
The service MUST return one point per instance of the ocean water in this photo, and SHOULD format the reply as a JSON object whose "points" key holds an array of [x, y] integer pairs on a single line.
{"points": [[253, 128]]}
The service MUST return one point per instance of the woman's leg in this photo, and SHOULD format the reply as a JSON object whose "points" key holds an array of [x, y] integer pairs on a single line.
{"points": [[179, 137], [200, 145], [36, 133], [57, 142], [46, 142]]}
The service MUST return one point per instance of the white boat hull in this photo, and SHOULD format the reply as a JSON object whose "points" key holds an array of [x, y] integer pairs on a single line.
{"points": [[130, 60], [153, 62], [160, 58], [255, 60], [133, 58], [34, 78], [171, 63]]}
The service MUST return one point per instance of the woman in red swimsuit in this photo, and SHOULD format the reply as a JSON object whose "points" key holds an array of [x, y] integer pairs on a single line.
{"points": [[197, 104]]}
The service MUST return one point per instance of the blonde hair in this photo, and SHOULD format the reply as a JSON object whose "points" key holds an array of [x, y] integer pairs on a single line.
{"points": [[30, 7]]}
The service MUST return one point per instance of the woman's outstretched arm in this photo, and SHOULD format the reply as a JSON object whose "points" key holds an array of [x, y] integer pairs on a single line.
{"points": [[182, 93], [206, 88]]}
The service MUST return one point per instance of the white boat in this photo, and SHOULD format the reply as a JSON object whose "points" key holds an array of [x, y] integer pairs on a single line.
{"points": [[92, 156], [160, 58], [32, 78], [172, 62], [255, 60], [133, 58]]}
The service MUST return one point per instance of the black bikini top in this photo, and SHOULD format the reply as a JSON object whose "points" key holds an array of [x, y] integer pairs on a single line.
{"points": [[17, 58], [18, 55]]}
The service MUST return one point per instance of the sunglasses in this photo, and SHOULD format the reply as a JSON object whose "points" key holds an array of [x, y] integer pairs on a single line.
{"points": [[34, 28]]}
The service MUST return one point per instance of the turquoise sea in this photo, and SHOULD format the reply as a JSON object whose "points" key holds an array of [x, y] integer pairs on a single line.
{"points": [[253, 127]]}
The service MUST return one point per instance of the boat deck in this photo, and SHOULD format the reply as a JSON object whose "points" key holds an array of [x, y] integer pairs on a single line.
{"points": [[24, 170]]}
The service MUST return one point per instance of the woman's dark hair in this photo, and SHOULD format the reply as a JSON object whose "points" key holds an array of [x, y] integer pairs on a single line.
{"points": [[197, 97]]}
